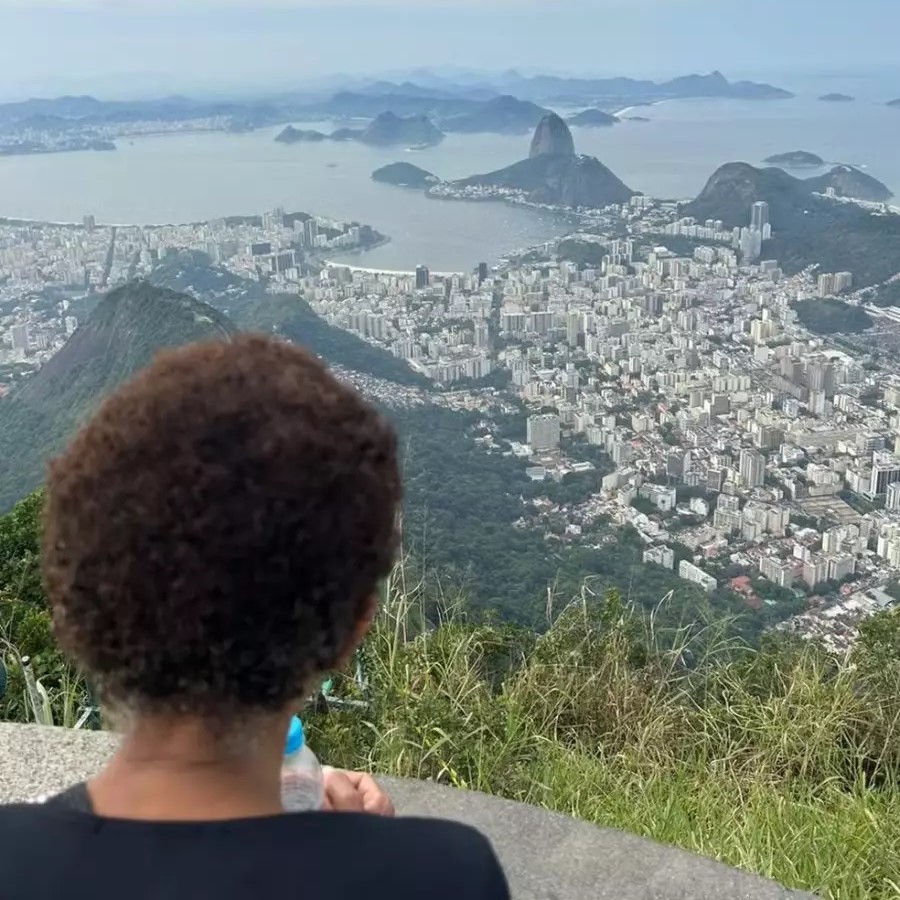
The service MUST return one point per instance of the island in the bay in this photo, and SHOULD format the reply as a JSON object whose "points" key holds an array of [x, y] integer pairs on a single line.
{"points": [[385, 130], [894, 103], [552, 175], [403, 174], [291, 135], [592, 118], [837, 98], [796, 159]]}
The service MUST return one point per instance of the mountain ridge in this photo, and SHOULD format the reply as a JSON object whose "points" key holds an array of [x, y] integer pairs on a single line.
{"points": [[127, 328], [808, 229]]}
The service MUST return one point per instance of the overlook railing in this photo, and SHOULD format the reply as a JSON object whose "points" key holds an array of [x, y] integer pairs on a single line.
{"points": [[546, 856]]}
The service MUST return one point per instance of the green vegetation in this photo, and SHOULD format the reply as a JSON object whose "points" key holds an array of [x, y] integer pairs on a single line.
{"points": [[827, 315], [807, 229], [460, 506], [252, 308], [27, 646], [583, 253], [783, 761], [125, 331], [292, 317], [886, 294]]}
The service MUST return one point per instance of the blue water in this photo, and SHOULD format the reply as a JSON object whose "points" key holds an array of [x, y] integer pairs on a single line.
{"points": [[196, 177]]}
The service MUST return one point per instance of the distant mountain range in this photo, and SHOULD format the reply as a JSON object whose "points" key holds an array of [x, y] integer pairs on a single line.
{"points": [[505, 104], [546, 87], [837, 98], [502, 115]]}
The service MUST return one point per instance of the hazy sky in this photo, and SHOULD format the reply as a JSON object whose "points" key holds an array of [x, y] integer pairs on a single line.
{"points": [[130, 47]]}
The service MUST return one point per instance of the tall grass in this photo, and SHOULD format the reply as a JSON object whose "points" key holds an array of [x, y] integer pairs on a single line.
{"points": [[781, 762]]}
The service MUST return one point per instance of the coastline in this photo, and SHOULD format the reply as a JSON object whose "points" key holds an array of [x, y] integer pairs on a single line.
{"points": [[333, 264]]}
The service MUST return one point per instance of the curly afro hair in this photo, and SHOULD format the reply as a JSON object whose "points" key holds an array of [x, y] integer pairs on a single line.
{"points": [[215, 534]]}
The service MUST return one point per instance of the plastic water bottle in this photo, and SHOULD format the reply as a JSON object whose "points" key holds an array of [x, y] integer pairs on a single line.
{"points": [[302, 784]]}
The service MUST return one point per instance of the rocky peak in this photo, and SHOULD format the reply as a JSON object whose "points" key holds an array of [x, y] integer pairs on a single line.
{"points": [[552, 138]]}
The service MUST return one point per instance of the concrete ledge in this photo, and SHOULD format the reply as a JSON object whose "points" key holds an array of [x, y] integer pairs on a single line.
{"points": [[546, 856]]}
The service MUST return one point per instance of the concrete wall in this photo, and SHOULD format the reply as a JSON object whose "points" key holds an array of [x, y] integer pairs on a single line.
{"points": [[546, 856]]}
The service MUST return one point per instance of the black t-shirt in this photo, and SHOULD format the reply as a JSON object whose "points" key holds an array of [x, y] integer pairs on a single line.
{"points": [[57, 850]]}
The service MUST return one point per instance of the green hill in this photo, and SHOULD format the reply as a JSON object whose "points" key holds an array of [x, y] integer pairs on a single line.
{"points": [[808, 229], [252, 308], [122, 335]]}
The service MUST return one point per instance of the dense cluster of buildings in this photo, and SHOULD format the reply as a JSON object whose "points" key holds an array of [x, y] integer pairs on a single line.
{"points": [[733, 433], [46, 269], [743, 450]]}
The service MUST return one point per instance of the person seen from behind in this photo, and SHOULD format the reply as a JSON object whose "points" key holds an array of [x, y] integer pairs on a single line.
{"points": [[213, 542]]}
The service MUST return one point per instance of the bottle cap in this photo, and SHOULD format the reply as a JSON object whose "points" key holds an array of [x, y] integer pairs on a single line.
{"points": [[295, 738]]}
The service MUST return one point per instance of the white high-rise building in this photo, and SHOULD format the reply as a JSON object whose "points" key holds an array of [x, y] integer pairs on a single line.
{"points": [[893, 497], [19, 337], [885, 472], [689, 572], [543, 432], [759, 215], [752, 468]]}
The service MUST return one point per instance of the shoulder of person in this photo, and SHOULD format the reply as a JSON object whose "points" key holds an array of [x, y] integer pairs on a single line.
{"points": [[455, 853]]}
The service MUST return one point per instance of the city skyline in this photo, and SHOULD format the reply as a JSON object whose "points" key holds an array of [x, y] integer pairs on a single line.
{"points": [[125, 49]]}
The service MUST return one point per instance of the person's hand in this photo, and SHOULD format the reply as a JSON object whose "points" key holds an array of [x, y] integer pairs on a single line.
{"points": [[356, 792]]}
